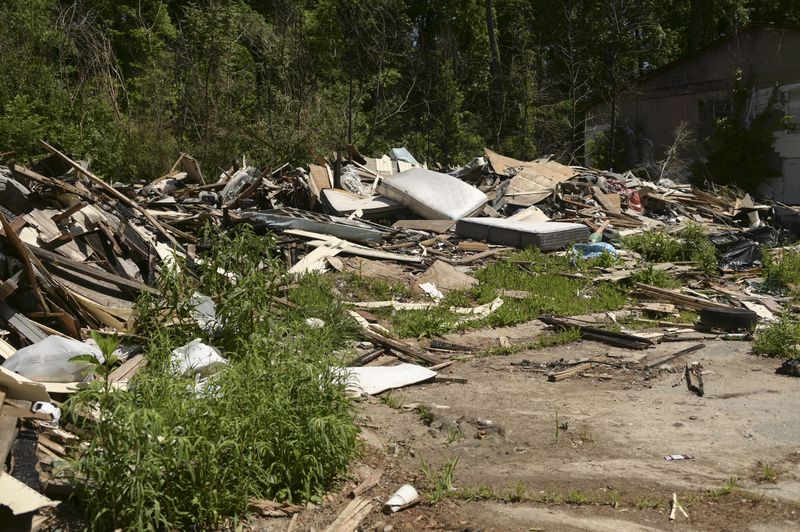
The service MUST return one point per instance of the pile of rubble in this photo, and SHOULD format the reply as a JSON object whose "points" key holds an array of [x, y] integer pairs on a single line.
{"points": [[78, 251]]}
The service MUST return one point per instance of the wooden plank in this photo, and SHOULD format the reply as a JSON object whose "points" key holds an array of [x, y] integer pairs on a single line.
{"points": [[569, 372], [31, 330], [91, 271], [8, 432], [370, 482], [681, 300], [670, 358], [399, 345]]}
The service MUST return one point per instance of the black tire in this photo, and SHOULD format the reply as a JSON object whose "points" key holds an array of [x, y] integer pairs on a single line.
{"points": [[728, 319]]}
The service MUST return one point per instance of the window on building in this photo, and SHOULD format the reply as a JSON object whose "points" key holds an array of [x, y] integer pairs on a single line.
{"points": [[708, 112]]}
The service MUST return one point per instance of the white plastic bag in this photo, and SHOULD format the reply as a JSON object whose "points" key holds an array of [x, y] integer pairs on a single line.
{"points": [[196, 358], [48, 360]]}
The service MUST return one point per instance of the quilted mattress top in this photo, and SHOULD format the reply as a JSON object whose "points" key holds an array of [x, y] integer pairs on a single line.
{"points": [[433, 195]]}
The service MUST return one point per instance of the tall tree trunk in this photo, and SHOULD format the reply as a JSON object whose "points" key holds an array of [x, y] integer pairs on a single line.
{"points": [[496, 73]]}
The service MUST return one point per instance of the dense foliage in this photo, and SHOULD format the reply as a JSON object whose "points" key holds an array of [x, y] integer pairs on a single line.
{"points": [[131, 83], [171, 452]]}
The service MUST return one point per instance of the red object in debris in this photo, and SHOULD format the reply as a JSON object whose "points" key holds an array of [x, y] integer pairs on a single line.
{"points": [[634, 202]]}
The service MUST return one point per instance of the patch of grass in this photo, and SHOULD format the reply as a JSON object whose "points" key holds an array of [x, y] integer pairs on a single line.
{"points": [[643, 503], [691, 244], [652, 276], [614, 498], [550, 292], [425, 414], [363, 288], [519, 493], [730, 486], [440, 483], [427, 323], [768, 473], [780, 340], [577, 497], [481, 493], [392, 401], [173, 452], [782, 271], [551, 497]]}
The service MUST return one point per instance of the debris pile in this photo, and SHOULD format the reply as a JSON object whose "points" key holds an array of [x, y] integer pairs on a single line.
{"points": [[77, 251]]}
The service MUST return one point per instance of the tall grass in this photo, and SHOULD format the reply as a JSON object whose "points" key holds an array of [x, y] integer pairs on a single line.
{"points": [[172, 453]]}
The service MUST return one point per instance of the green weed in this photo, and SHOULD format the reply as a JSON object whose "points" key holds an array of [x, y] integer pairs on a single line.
{"points": [[440, 483], [730, 486], [453, 436], [392, 401], [768, 473], [643, 503], [691, 244], [425, 414], [551, 497], [780, 340], [519, 492], [428, 323], [481, 493], [783, 271], [362, 288], [577, 497], [275, 423], [651, 276]]}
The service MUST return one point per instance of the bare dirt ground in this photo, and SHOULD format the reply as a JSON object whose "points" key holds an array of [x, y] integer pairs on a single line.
{"points": [[603, 468]]}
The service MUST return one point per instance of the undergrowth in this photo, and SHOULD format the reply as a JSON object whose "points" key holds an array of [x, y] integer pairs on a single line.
{"points": [[782, 271], [691, 245], [174, 452], [780, 340]]}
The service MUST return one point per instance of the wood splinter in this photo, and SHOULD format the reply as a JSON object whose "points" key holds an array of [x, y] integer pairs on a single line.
{"points": [[676, 506]]}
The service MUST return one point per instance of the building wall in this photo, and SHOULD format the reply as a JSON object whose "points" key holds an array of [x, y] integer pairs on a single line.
{"points": [[677, 92]]}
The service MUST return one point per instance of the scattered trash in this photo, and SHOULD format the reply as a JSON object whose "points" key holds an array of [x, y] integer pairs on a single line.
{"points": [[789, 367], [679, 457], [315, 323], [405, 496]]}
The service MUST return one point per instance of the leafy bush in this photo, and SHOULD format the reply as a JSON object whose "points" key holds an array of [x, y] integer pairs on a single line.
{"points": [[172, 453], [783, 271], [692, 245], [781, 340]]}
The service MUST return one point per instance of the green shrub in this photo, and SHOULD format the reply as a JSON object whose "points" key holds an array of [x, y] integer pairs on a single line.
{"points": [[170, 453], [692, 245], [780, 340], [783, 271]]}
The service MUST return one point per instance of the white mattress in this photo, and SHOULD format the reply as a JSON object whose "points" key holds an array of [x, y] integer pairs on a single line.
{"points": [[433, 195]]}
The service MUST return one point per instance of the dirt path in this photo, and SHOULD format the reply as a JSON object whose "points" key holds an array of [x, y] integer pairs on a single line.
{"points": [[610, 443]]}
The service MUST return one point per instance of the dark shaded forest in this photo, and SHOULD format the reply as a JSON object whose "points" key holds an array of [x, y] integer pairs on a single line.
{"points": [[131, 84]]}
